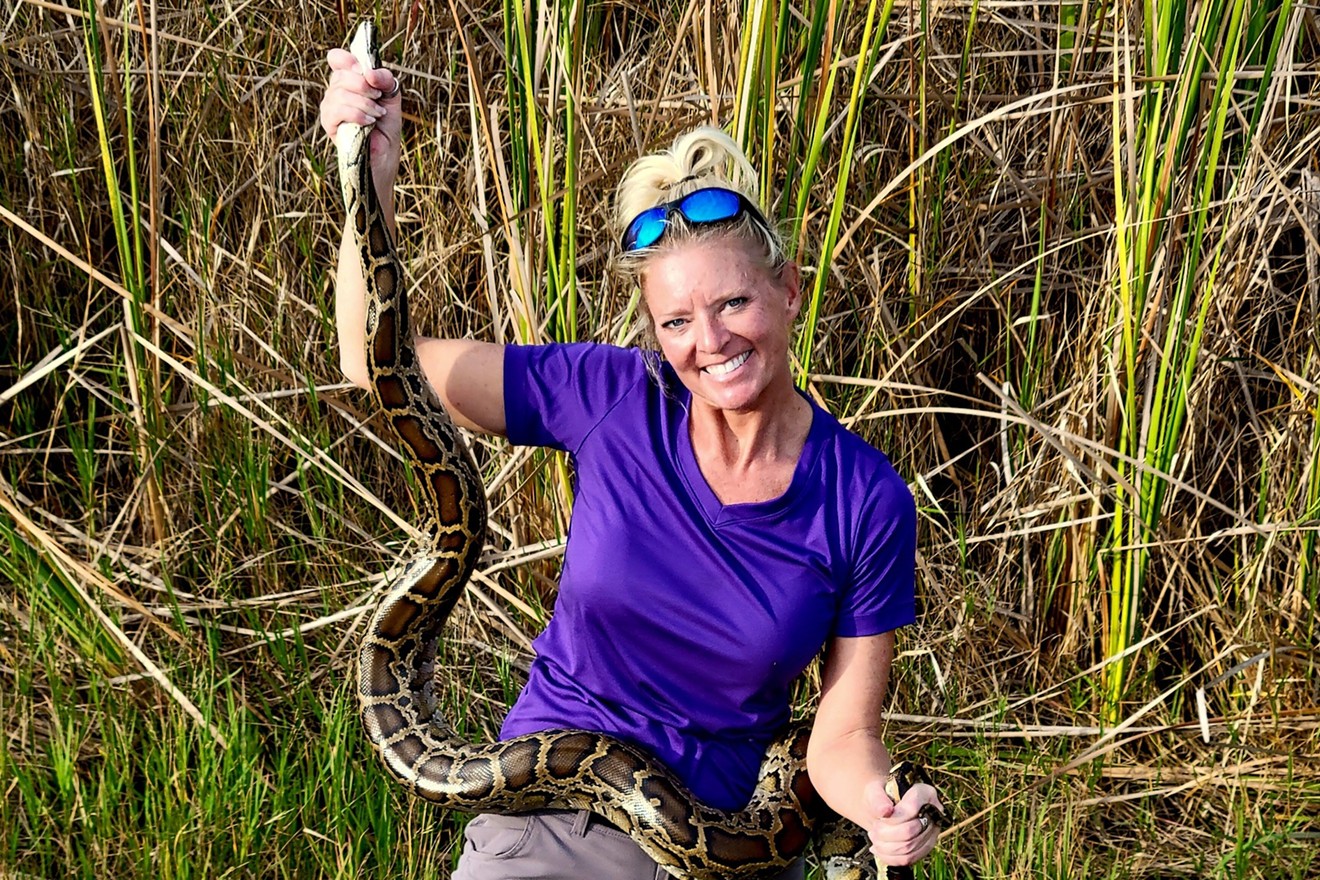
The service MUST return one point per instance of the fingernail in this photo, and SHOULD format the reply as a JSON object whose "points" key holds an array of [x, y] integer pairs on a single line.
{"points": [[376, 93]]}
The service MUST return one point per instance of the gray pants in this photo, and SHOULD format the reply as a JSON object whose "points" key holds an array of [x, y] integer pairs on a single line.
{"points": [[559, 845]]}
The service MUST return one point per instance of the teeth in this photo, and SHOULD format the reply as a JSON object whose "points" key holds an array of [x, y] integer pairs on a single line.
{"points": [[728, 366]]}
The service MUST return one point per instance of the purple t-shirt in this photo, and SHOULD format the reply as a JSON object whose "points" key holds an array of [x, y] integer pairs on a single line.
{"points": [[681, 622]]}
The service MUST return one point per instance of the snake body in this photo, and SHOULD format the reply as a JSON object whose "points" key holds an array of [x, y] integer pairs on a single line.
{"points": [[557, 769]]}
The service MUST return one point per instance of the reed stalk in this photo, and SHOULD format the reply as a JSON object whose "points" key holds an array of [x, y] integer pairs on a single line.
{"points": [[131, 254], [872, 36]]}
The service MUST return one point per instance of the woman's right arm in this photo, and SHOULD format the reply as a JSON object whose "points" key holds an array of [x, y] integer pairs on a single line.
{"points": [[467, 374]]}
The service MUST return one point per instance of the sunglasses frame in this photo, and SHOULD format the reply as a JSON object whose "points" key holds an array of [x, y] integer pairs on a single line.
{"points": [[668, 209]]}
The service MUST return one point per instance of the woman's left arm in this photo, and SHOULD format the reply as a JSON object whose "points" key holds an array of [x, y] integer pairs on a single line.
{"points": [[846, 756]]}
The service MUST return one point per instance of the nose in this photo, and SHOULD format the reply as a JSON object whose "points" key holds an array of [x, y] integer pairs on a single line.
{"points": [[711, 333]]}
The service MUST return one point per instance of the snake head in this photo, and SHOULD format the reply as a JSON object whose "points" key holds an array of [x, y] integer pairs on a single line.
{"points": [[904, 775]]}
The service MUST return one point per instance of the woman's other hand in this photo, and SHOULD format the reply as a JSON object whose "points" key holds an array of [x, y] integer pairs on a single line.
{"points": [[898, 834]]}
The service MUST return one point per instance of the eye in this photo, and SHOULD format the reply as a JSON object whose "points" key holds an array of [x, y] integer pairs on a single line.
{"points": [[673, 323], [736, 302]]}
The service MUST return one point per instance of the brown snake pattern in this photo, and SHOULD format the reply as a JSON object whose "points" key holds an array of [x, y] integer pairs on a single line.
{"points": [[556, 769]]}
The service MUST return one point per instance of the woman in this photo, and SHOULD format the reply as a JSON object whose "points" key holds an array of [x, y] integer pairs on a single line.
{"points": [[724, 528]]}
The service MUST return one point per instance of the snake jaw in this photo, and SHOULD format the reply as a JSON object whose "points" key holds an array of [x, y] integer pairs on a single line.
{"points": [[902, 776]]}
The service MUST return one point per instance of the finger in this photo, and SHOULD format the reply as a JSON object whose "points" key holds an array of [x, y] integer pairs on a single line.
{"points": [[352, 85], [926, 845], [906, 846], [344, 67], [903, 853], [339, 59], [905, 809], [358, 109], [376, 84], [381, 79], [347, 107], [917, 796], [895, 831], [351, 81], [876, 800]]}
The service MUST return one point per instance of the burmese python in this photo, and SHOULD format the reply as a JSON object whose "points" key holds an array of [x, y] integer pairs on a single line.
{"points": [[557, 769]]}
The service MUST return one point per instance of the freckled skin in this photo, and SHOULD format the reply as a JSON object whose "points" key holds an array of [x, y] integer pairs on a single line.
{"points": [[714, 299]]}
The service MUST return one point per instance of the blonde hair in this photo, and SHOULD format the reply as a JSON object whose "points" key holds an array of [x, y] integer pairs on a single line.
{"points": [[702, 157]]}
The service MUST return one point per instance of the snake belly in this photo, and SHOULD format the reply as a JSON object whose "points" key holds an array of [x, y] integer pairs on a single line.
{"points": [[568, 769]]}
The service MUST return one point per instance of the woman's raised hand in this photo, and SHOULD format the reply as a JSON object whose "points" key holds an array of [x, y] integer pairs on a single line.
{"points": [[354, 96]]}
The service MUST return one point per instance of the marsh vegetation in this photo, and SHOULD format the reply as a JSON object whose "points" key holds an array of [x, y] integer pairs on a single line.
{"points": [[1063, 264]]}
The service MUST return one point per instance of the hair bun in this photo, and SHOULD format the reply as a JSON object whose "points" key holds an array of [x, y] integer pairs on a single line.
{"points": [[704, 156]]}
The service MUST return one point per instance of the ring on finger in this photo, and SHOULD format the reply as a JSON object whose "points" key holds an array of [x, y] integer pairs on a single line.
{"points": [[394, 92], [925, 823]]}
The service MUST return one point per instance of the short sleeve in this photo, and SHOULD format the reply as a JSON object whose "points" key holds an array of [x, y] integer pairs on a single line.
{"points": [[555, 395], [882, 593]]}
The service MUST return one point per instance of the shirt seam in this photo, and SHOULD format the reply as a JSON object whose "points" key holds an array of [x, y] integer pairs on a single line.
{"points": [[623, 395]]}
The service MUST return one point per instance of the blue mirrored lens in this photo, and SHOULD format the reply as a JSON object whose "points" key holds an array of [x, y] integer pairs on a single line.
{"points": [[646, 229], [710, 205]]}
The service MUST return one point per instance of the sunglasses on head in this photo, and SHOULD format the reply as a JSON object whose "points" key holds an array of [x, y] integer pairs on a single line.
{"points": [[714, 204]]}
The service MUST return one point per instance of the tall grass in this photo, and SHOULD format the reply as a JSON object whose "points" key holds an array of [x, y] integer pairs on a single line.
{"points": [[126, 211], [872, 30], [1062, 266], [1176, 204]]}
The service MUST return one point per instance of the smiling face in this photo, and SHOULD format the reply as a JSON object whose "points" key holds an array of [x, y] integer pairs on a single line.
{"points": [[722, 318]]}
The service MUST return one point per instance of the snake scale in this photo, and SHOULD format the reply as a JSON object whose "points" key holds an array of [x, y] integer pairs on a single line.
{"points": [[556, 769]]}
